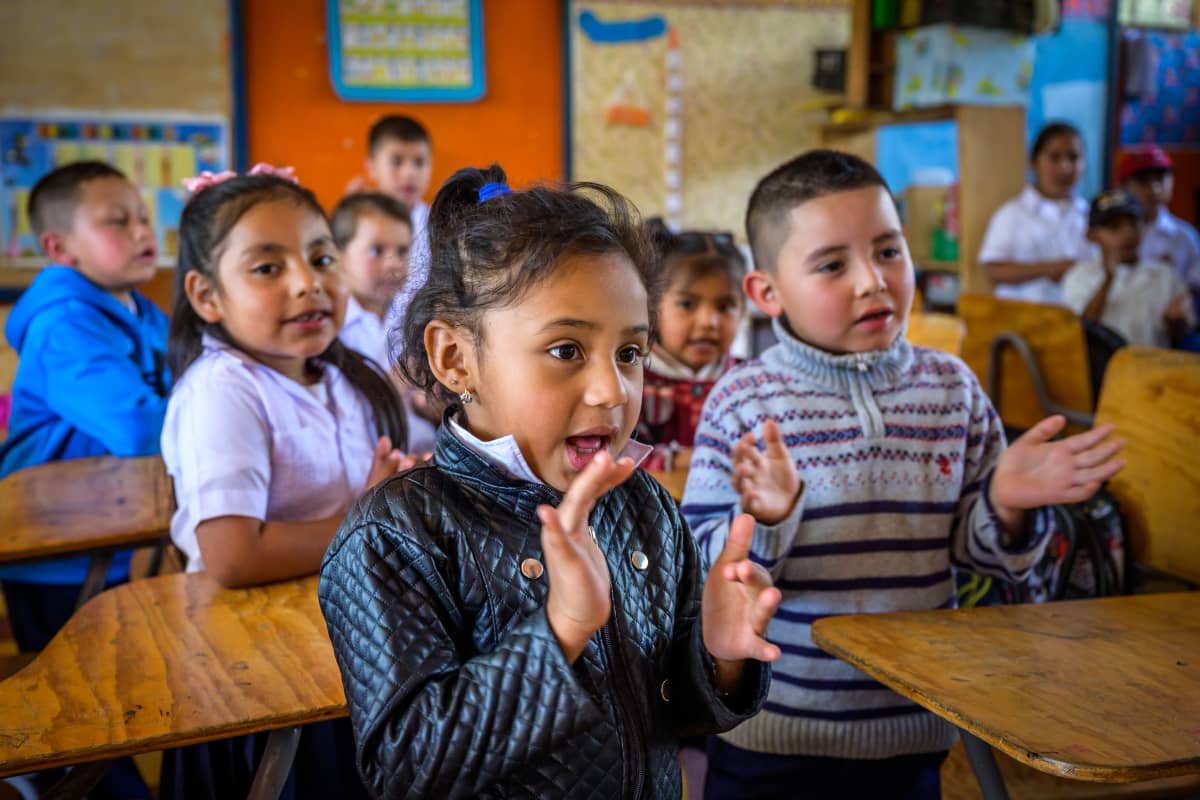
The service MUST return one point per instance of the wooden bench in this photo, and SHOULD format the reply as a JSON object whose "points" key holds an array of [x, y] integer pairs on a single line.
{"points": [[84, 506], [1152, 396], [171, 661], [1102, 690], [1001, 332]]}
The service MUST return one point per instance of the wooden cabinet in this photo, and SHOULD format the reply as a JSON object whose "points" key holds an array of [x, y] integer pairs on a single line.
{"points": [[991, 167]]}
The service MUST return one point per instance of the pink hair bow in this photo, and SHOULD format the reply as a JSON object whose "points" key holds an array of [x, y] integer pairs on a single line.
{"points": [[206, 179]]}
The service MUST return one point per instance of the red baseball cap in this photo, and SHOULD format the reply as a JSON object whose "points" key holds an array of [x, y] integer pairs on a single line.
{"points": [[1142, 157]]}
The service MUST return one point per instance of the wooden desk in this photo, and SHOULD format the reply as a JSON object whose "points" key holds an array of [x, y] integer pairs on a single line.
{"points": [[673, 481], [1102, 690], [86, 505], [171, 661]]}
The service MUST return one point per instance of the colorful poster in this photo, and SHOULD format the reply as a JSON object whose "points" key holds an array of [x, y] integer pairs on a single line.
{"points": [[406, 50], [156, 154]]}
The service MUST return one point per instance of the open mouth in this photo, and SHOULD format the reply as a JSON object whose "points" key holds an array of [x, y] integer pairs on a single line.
{"points": [[876, 318], [583, 447], [309, 318]]}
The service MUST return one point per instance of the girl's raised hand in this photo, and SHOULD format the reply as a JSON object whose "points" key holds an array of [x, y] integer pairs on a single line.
{"points": [[739, 601], [767, 482], [1035, 471], [579, 602], [387, 461]]}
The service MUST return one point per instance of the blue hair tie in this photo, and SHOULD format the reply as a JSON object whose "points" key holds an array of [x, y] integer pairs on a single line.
{"points": [[490, 190]]}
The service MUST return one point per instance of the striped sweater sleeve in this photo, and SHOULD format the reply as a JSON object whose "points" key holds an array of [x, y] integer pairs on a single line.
{"points": [[978, 539], [710, 502]]}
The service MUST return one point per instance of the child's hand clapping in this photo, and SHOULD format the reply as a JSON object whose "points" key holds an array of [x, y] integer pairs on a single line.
{"points": [[1035, 471], [767, 482], [579, 602], [739, 601], [387, 461]]}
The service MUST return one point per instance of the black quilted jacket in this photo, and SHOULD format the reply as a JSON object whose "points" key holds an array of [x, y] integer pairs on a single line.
{"points": [[455, 682]]}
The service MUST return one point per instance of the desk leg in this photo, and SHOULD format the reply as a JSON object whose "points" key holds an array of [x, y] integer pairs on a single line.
{"points": [[983, 762], [275, 765], [78, 781], [97, 576]]}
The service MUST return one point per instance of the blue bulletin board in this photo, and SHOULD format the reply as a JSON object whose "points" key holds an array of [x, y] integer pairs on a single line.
{"points": [[154, 153], [406, 50]]}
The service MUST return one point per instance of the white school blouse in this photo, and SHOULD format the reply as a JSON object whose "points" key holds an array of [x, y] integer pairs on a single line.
{"points": [[368, 334], [242, 439], [1032, 227], [1172, 241], [1137, 298]]}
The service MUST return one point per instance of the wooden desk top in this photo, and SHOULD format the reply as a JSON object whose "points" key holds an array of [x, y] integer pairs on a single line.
{"points": [[673, 481], [1102, 690], [170, 661], [83, 505]]}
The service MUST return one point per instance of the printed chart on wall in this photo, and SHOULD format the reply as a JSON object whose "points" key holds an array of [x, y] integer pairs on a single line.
{"points": [[156, 154], [682, 104], [406, 50]]}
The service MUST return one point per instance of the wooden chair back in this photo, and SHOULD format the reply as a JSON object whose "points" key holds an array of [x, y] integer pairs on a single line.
{"points": [[944, 332], [1055, 337], [1152, 396]]}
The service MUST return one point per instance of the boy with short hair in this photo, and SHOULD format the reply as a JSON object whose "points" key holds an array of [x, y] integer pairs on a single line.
{"points": [[1143, 300], [871, 467], [92, 377], [1147, 173]]}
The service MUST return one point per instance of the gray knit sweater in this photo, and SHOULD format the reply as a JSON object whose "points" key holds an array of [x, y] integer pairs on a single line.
{"points": [[896, 449]]}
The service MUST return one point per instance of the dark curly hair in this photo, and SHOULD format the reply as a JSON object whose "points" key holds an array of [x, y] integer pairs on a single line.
{"points": [[487, 255]]}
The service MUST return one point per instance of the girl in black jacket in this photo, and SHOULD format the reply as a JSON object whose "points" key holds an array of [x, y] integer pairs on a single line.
{"points": [[523, 617]]}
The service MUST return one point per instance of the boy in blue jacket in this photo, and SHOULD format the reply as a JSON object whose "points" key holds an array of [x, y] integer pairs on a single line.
{"points": [[92, 376]]}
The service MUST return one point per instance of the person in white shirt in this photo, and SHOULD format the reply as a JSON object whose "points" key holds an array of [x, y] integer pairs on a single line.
{"points": [[1034, 238], [1144, 301], [1148, 174], [374, 232]]}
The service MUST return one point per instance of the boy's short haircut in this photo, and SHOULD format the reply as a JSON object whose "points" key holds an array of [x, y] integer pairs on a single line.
{"points": [[55, 196], [814, 174], [396, 126], [344, 220]]}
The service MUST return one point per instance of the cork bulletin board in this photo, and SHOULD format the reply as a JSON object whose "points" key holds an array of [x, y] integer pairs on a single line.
{"points": [[683, 105], [144, 84]]}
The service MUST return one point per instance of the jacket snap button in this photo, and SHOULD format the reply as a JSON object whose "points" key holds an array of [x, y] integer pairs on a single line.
{"points": [[640, 562], [532, 569], [664, 691]]}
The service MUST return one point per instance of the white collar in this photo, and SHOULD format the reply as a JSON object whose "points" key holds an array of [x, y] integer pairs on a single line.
{"points": [[666, 365], [504, 453], [1039, 204], [355, 313]]}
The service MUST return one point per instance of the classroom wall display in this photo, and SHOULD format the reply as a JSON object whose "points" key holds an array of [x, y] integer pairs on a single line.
{"points": [[155, 151], [1162, 88], [943, 64], [406, 50], [682, 105], [1155, 13]]}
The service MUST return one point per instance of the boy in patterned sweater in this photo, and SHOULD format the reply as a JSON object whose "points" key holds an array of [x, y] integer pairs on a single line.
{"points": [[871, 467]]}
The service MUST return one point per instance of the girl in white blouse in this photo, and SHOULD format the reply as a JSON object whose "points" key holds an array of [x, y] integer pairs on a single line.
{"points": [[1034, 238]]}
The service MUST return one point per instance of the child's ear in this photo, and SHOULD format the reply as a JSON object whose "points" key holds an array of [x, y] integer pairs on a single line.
{"points": [[451, 352], [760, 288], [369, 169], [54, 245], [202, 294]]}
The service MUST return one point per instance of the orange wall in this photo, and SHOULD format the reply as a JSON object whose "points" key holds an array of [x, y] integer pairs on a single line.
{"points": [[293, 116]]}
